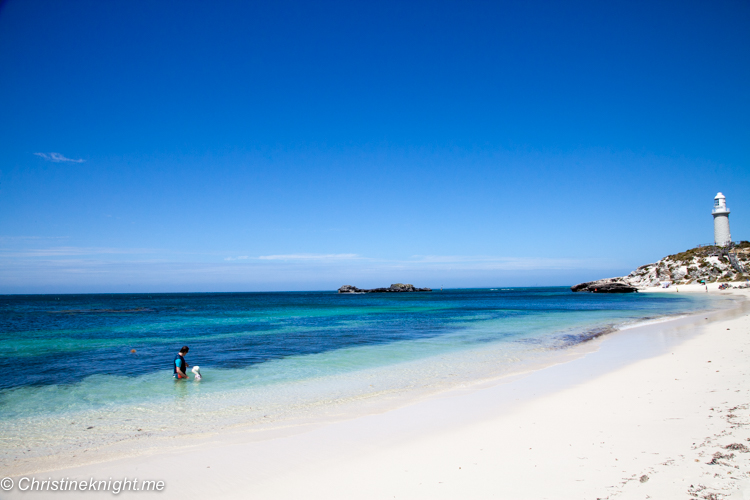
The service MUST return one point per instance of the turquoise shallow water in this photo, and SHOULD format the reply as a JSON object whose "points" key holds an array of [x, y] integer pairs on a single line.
{"points": [[71, 381]]}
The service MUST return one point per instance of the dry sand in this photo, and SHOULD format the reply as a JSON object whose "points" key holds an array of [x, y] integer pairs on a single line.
{"points": [[613, 423]]}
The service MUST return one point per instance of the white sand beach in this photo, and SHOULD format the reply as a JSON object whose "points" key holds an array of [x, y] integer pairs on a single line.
{"points": [[658, 411]]}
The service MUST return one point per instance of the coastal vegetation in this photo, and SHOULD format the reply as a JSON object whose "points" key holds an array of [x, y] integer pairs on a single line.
{"points": [[707, 264], [702, 264]]}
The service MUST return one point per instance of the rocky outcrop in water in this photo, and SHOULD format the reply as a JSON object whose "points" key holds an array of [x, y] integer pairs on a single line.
{"points": [[705, 263], [609, 285], [395, 288]]}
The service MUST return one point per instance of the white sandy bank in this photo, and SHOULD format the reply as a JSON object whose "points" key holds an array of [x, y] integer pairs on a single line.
{"points": [[606, 425], [707, 288]]}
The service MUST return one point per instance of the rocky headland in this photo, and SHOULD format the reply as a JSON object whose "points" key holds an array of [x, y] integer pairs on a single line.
{"points": [[707, 264], [395, 288]]}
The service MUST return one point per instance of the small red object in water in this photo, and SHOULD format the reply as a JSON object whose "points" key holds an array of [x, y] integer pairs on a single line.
{"points": [[132, 351]]}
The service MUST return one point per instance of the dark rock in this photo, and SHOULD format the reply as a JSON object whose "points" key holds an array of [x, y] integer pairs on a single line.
{"points": [[395, 288], [581, 287], [610, 285]]}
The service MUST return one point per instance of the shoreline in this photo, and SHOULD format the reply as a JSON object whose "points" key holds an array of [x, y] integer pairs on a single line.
{"points": [[422, 422], [496, 368], [708, 287]]}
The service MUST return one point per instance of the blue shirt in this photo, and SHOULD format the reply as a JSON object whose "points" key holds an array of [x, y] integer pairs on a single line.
{"points": [[179, 362]]}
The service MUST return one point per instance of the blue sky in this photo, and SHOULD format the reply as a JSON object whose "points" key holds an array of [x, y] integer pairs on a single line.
{"points": [[239, 146]]}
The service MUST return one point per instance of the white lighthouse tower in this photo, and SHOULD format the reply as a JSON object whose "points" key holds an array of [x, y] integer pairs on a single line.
{"points": [[720, 212]]}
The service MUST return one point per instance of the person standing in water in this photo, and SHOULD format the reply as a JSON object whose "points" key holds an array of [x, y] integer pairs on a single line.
{"points": [[180, 365]]}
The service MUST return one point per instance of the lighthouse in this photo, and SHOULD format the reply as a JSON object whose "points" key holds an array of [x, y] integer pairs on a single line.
{"points": [[720, 212]]}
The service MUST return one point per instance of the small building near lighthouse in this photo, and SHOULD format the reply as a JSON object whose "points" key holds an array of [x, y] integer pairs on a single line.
{"points": [[722, 237]]}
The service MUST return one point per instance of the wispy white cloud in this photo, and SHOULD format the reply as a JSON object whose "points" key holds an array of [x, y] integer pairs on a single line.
{"points": [[9, 249], [57, 158], [73, 251], [35, 268], [507, 263], [311, 256], [22, 239]]}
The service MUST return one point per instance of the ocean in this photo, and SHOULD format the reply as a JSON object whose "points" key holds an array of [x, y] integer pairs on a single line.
{"points": [[82, 373]]}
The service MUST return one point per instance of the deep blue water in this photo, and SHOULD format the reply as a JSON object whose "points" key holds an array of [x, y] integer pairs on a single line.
{"points": [[63, 339]]}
